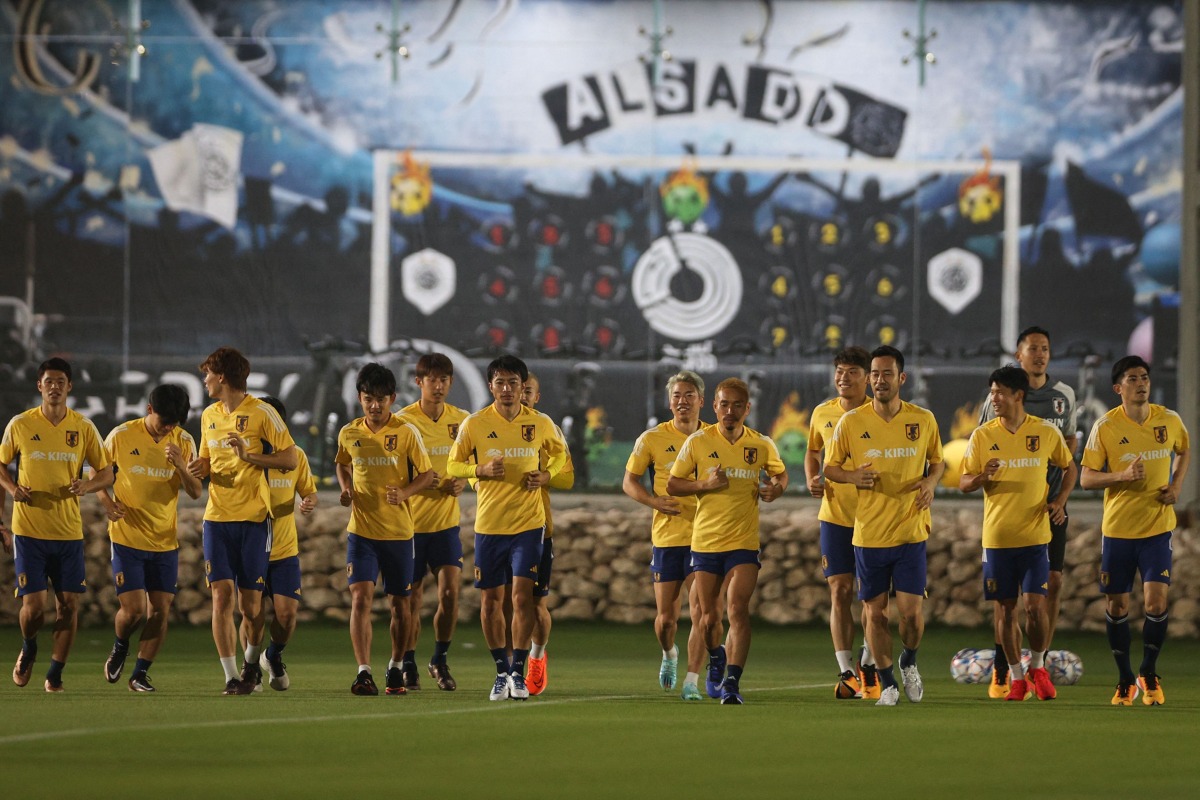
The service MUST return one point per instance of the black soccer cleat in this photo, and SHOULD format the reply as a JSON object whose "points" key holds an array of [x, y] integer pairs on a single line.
{"points": [[395, 682], [252, 675], [140, 682], [364, 685], [115, 665], [441, 674], [235, 687], [412, 678]]}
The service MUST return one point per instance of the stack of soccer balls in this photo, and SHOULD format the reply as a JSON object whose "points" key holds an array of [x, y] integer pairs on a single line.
{"points": [[971, 665]]}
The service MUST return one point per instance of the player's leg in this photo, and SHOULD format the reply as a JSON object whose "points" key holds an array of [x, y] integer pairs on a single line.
{"points": [[399, 630], [1005, 611], [154, 633], [743, 578], [1154, 563], [1057, 552], [65, 571], [129, 579], [220, 553], [251, 576], [668, 600], [250, 604], [837, 564], [421, 543], [708, 576], [396, 569], [283, 593], [695, 643], [873, 568], [491, 578], [911, 616], [362, 569], [1033, 567], [525, 558], [1118, 562], [30, 571], [445, 620], [538, 676]]}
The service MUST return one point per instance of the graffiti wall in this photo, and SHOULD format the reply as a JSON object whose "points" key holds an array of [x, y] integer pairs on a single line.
{"points": [[609, 189]]}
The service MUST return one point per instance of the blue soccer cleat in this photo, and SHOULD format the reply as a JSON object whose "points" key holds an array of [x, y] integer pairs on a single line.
{"points": [[716, 674]]}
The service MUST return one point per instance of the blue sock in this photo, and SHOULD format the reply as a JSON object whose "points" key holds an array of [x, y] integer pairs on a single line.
{"points": [[734, 673], [440, 649], [54, 674], [500, 656], [410, 657], [142, 666], [716, 656], [908, 658], [1119, 640], [275, 651], [121, 645], [518, 662], [1154, 633], [886, 678], [29, 647]]}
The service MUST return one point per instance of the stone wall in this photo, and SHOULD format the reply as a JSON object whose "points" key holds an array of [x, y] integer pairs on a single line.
{"points": [[602, 552]]}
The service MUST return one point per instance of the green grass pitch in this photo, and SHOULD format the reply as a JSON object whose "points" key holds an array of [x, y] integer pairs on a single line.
{"points": [[602, 729]]}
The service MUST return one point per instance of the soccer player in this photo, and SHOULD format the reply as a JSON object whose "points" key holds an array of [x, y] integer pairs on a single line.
{"points": [[381, 463], [721, 465], [504, 445], [1053, 401], [1139, 454], [671, 529], [538, 675], [435, 513], [150, 457], [51, 443], [1008, 458], [850, 367], [891, 451], [283, 565], [241, 438]]}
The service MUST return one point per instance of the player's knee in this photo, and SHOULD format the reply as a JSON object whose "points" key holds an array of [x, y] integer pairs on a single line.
{"points": [[842, 594], [1117, 606], [448, 598], [68, 605], [360, 601], [1054, 585], [1155, 606]]}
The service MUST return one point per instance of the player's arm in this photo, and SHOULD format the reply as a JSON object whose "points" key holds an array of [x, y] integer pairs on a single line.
{"points": [[283, 460], [928, 485], [1072, 442], [101, 479], [812, 473], [459, 464], [632, 485], [1169, 494], [5, 531], [20, 494], [306, 487], [396, 495], [774, 486], [178, 458], [345, 479], [1102, 479], [975, 475]]}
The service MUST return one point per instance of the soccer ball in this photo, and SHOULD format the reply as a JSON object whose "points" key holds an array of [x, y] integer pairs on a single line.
{"points": [[970, 665], [1065, 667]]}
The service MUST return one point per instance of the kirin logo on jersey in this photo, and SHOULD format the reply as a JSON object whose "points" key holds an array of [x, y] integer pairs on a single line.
{"points": [[528, 431], [1060, 405], [73, 438], [1032, 443], [1160, 433], [242, 424], [452, 429], [750, 454], [913, 431], [389, 442]]}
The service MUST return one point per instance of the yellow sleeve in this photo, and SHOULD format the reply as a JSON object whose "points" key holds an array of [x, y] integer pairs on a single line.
{"points": [[457, 463], [639, 459], [685, 465], [836, 452], [970, 462], [774, 465], [305, 485], [94, 449]]}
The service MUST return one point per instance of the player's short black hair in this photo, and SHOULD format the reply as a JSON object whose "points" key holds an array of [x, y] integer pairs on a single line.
{"points": [[58, 365], [170, 401], [434, 364], [508, 363], [853, 356], [1125, 364], [1031, 331], [275, 403], [376, 379], [887, 351], [1011, 377], [230, 365]]}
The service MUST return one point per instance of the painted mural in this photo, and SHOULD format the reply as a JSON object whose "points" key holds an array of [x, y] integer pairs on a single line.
{"points": [[611, 190]]}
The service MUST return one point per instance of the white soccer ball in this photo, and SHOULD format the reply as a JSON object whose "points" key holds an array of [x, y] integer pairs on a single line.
{"points": [[970, 665], [1065, 667]]}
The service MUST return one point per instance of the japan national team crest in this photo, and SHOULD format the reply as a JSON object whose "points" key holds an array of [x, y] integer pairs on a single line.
{"points": [[452, 429], [242, 424], [22, 581], [913, 431], [1104, 578], [389, 442], [120, 579], [1032, 443], [72, 438], [991, 585], [1060, 405], [528, 431], [1160, 434], [750, 454]]}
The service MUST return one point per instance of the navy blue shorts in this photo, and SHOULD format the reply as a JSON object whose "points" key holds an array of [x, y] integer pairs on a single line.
{"points": [[36, 560], [500, 556], [880, 569], [541, 585], [367, 559], [837, 549], [1121, 558], [237, 551], [432, 551], [1012, 571], [283, 578], [723, 563], [670, 564], [137, 570]]}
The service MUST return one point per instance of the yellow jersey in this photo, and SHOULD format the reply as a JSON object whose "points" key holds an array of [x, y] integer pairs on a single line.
{"points": [[392, 457], [147, 484], [840, 499], [432, 509], [237, 489], [727, 519], [899, 450], [285, 486], [1131, 509], [50, 456], [565, 479], [505, 506], [656, 450], [1014, 500]]}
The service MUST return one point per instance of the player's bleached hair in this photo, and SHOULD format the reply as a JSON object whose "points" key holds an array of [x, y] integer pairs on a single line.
{"points": [[887, 351], [508, 363], [434, 364], [1012, 378], [853, 356], [1125, 364], [170, 401], [375, 379], [58, 365], [230, 365], [1032, 330], [734, 384], [685, 376]]}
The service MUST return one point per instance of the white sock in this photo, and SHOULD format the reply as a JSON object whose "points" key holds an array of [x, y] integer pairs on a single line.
{"points": [[673, 653], [366, 668], [395, 664], [252, 651], [692, 677], [1016, 671], [230, 666], [866, 656], [537, 650], [845, 661], [1038, 660]]}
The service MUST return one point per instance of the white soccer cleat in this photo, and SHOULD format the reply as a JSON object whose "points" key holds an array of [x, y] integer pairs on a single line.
{"points": [[499, 688], [279, 682], [914, 689], [890, 696], [516, 687]]}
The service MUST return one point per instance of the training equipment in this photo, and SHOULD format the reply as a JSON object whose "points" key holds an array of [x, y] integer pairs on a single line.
{"points": [[1152, 691], [252, 676], [22, 669], [1065, 667], [716, 674], [412, 678], [691, 692], [730, 696], [971, 665], [848, 687], [914, 688], [1020, 691], [235, 687]]}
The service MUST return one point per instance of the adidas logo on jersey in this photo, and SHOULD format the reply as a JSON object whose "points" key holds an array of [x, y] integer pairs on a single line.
{"points": [[36, 438], [212, 426], [865, 436], [713, 454], [358, 444], [995, 447], [829, 424], [134, 452], [1124, 440], [671, 448], [492, 435]]}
